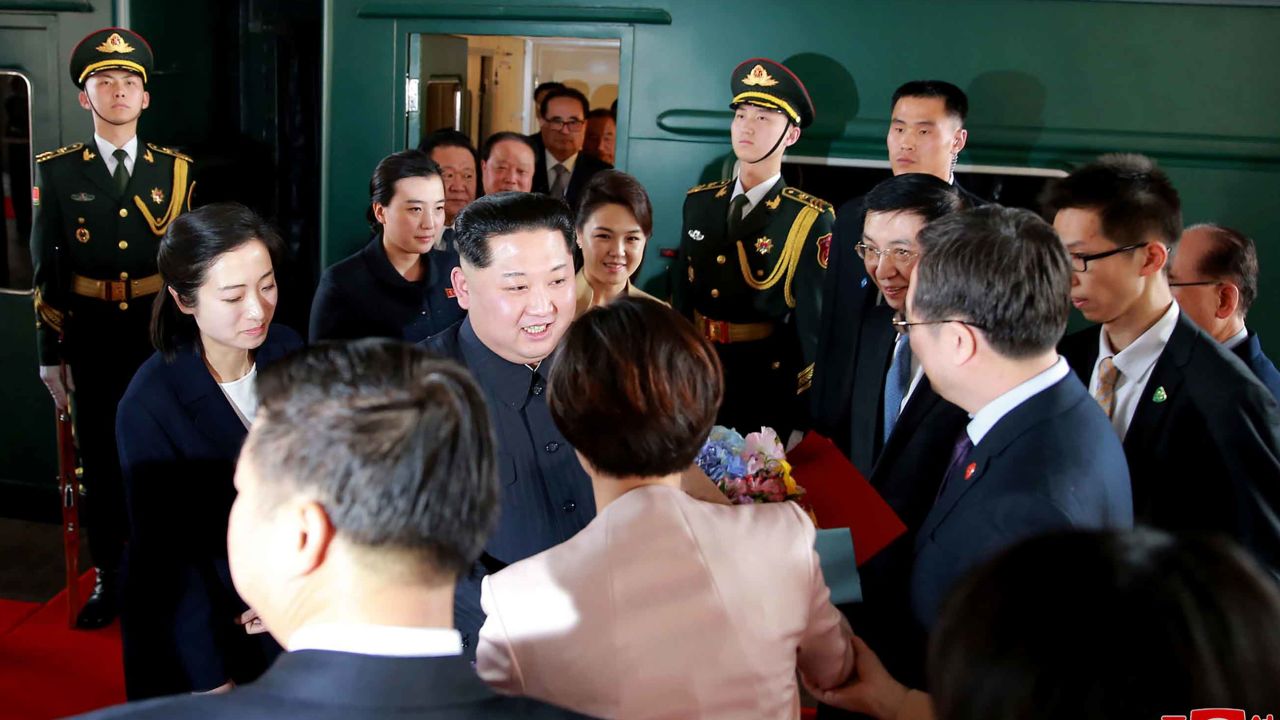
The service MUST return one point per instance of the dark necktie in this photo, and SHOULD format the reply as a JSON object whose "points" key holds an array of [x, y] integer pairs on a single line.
{"points": [[958, 455], [560, 182], [896, 384], [736, 208], [121, 175]]}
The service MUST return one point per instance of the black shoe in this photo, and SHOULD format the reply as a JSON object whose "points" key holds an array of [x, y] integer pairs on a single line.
{"points": [[100, 609]]}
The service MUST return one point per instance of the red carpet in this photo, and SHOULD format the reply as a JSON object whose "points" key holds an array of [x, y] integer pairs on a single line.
{"points": [[48, 670]]}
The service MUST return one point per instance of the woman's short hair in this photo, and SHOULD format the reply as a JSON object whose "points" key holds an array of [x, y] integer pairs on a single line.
{"points": [[390, 170], [614, 187], [193, 243], [1108, 625], [635, 388]]}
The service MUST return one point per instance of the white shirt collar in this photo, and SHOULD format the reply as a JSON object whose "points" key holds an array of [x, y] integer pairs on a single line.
{"points": [[385, 640], [107, 151], [568, 164], [1136, 360], [1236, 340], [992, 412], [755, 194]]}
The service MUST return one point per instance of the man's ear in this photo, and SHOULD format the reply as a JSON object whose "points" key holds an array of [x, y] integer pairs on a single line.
{"points": [[312, 536], [957, 143], [962, 340], [460, 288], [146, 99], [1228, 301], [793, 136], [83, 98], [1155, 257]]}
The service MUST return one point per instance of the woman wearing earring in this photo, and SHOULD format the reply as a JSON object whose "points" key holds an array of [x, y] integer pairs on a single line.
{"points": [[395, 287], [614, 223], [179, 430]]}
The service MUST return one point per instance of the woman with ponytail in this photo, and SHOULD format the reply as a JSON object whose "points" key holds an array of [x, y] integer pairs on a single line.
{"points": [[179, 429]]}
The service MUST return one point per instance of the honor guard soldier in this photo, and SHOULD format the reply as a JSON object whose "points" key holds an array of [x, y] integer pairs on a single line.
{"points": [[752, 255], [101, 207]]}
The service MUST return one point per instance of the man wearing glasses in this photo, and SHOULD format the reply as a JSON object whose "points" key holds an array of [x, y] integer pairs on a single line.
{"points": [[563, 169], [984, 311], [1214, 276], [1200, 432]]}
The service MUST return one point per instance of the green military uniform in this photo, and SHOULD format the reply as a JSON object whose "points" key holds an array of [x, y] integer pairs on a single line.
{"points": [[756, 291], [94, 248]]}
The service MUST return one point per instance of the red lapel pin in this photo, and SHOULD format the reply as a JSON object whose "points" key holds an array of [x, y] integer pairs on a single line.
{"points": [[449, 293], [969, 471]]}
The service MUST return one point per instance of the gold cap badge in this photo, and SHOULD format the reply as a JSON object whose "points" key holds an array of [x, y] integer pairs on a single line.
{"points": [[115, 44], [759, 77]]}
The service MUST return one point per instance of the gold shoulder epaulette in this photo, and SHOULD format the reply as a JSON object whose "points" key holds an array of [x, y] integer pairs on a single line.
{"points": [[170, 151], [42, 157], [708, 186], [814, 202]]}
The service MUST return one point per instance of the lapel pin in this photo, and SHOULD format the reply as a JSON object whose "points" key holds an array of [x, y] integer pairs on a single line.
{"points": [[863, 283], [969, 471], [1160, 395], [773, 204], [449, 293], [696, 234], [764, 246], [157, 195]]}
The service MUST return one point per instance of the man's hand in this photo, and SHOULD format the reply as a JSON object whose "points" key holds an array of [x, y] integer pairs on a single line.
{"points": [[251, 622], [51, 376], [873, 691], [225, 687]]}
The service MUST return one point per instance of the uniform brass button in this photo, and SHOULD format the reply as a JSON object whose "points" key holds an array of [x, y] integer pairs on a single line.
{"points": [[759, 273], [124, 276], [124, 306], [720, 259], [776, 365], [124, 212], [715, 292], [123, 245]]}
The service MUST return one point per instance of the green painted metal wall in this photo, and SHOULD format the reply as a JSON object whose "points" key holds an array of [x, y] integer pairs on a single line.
{"points": [[1051, 83]]}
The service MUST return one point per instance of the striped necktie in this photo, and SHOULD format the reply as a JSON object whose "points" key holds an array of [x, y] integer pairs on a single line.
{"points": [[1108, 374]]}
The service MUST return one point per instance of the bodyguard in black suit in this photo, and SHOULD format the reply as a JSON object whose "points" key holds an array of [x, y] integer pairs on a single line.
{"points": [[985, 310], [367, 484], [563, 117], [1201, 434], [1214, 278], [517, 282]]}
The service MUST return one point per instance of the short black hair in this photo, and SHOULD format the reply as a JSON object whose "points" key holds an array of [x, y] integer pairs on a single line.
{"points": [[391, 169], [1233, 257], [448, 137], [505, 213], [601, 113], [916, 193], [506, 136], [547, 86], [1142, 623], [636, 388], [561, 92], [393, 442], [1003, 270], [1132, 196], [957, 103]]}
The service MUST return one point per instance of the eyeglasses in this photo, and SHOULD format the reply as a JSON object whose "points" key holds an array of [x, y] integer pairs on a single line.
{"points": [[899, 256], [1190, 283], [1080, 263], [905, 325], [449, 175], [573, 124]]}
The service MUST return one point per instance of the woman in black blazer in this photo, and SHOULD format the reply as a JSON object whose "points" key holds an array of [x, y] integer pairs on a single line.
{"points": [[179, 429], [398, 285]]}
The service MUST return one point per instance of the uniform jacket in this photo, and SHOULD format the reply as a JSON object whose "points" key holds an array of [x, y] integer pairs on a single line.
{"points": [[364, 296], [82, 226], [583, 169], [1251, 353], [179, 439], [325, 685], [1053, 462], [1204, 454], [668, 607]]}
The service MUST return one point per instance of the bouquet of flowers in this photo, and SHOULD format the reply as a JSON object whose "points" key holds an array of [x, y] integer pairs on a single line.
{"points": [[748, 470]]}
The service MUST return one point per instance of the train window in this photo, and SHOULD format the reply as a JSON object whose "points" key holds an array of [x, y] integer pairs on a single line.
{"points": [[15, 178], [838, 180], [482, 84]]}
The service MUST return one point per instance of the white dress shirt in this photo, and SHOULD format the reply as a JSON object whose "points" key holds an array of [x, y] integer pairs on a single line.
{"points": [[992, 412], [107, 151], [385, 640], [1236, 340], [568, 164], [755, 194], [1135, 364]]}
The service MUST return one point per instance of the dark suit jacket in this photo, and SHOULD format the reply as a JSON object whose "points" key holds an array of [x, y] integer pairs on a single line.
{"points": [[1251, 353], [318, 685], [179, 438], [585, 166], [1206, 457], [1053, 462]]}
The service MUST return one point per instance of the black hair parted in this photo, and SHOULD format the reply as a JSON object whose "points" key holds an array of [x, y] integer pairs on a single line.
{"points": [[916, 193], [390, 170], [506, 213], [563, 92], [395, 443], [1001, 269], [957, 103]]}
